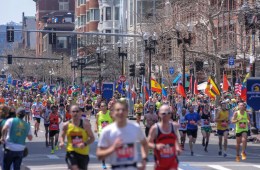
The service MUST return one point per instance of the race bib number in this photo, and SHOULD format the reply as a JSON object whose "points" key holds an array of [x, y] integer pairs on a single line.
{"points": [[54, 127], [104, 124], [242, 125], [206, 122], [224, 124], [192, 122], [76, 140], [167, 151], [183, 125], [125, 153]]}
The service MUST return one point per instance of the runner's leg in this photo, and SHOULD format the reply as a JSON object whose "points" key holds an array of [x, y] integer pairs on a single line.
{"points": [[225, 141]]}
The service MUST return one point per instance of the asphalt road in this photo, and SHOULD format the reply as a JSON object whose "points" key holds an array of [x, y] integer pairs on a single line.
{"points": [[39, 157]]}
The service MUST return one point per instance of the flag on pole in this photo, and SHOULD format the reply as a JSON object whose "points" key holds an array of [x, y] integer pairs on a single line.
{"points": [[244, 88], [238, 86], [214, 87], [133, 93], [225, 83], [191, 88], [180, 89], [146, 91], [195, 88], [209, 92], [156, 87]]}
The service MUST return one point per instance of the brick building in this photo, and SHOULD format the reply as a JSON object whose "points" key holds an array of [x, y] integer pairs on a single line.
{"points": [[54, 15]]}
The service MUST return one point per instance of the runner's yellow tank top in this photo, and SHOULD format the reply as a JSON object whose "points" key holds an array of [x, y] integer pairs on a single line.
{"points": [[76, 135], [103, 120], [223, 125], [242, 125]]}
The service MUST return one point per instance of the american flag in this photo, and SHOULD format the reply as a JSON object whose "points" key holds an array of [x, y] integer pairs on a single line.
{"points": [[238, 86]]}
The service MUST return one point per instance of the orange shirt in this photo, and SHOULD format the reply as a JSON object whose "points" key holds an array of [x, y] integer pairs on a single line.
{"points": [[67, 116], [2, 101]]}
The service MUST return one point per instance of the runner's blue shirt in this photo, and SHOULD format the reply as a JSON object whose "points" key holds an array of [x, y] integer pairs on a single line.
{"points": [[192, 116]]}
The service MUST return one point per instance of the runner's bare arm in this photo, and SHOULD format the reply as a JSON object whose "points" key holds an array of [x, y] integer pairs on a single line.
{"points": [[151, 137], [234, 118], [87, 127], [248, 118], [217, 116], [63, 133], [4, 132], [96, 127]]}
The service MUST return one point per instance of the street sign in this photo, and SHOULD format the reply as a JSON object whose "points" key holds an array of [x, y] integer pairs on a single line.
{"points": [[122, 78], [253, 92], [171, 70], [231, 61]]}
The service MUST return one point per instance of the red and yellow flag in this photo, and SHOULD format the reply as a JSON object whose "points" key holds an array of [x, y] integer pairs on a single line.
{"points": [[156, 87]]}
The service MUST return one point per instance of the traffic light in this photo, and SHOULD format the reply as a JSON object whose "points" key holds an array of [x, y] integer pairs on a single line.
{"points": [[132, 70], [10, 34], [142, 69], [10, 59], [52, 38]]}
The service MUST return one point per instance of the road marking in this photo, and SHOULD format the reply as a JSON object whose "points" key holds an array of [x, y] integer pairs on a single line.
{"points": [[218, 167], [53, 157], [256, 166], [41, 131], [92, 156]]}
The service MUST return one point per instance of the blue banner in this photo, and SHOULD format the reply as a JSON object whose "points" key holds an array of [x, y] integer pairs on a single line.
{"points": [[253, 92], [52, 89], [108, 90]]}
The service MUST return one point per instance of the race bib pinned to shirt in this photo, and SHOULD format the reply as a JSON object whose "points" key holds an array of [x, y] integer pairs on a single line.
{"points": [[168, 151], [224, 124], [242, 125], [125, 153], [206, 122], [77, 139], [104, 124], [183, 125]]}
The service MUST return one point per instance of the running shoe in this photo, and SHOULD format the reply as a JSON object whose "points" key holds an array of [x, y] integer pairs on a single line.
{"points": [[52, 151], [225, 155], [237, 158], [191, 153], [205, 149], [220, 153], [243, 155], [56, 148], [104, 166]]}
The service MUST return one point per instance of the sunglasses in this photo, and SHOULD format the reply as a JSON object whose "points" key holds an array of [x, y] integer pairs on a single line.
{"points": [[75, 111], [118, 110], [165, 113], [103, 106]]}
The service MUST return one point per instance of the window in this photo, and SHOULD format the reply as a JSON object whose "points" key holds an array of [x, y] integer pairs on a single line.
{"points": [[94, 15], [83, 2], [78, 2], [88, 16], [108, 38], [117, 13], [83, 20], [144, 10], [78, 21], [62, 42], [131, 13], [63, 5], [108, 13], [116, 37]]}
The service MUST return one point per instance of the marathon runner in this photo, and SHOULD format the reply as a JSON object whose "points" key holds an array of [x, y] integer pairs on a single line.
{"points": [[54, 119], [138, 110], [46, 114], [37, 109], [193, 120], [27, 106], [163, 138], [222, 120], [79, 137], [81, 104], [118, 141], [205, 126], [242, 120], [183, 127], [103, 118], [89, 107]]}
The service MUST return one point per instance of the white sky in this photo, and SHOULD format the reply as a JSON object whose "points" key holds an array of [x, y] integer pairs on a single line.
{"points": [[11, 10]]}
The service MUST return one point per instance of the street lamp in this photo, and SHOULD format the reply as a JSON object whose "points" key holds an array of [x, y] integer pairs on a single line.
{"points": [[74, 66], [150, 42], [101, 59], [122, 54], [81, 63], [183, 41], [51, 72]]}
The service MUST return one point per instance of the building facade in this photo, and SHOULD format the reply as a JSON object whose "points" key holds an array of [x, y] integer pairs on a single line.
{"points": [[55, 15], [29, 38]]}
